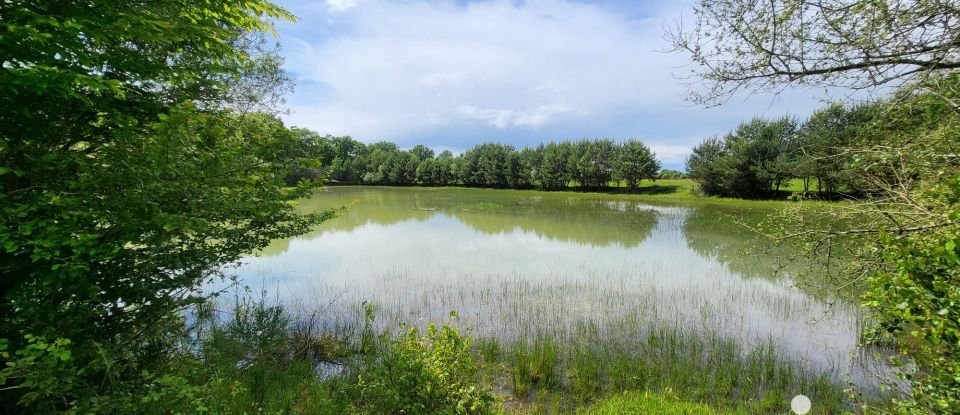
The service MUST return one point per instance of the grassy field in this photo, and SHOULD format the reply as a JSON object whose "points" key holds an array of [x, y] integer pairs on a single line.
{"points": [[672, 191]]}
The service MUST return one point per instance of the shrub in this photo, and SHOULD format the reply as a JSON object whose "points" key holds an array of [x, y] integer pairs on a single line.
{"points": [[413, 374]]}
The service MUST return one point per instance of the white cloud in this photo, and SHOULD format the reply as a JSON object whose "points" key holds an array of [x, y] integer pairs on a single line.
{"points": [[503, 118], [671, 154], [497, 62], [537, 70], [341, 5]]}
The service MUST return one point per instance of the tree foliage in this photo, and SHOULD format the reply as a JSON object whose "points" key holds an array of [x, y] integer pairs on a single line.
{"points": [[588, 164], [635, 162], [751, 161], [896, 158], [131, 169], [768, 46], [911, 163]]}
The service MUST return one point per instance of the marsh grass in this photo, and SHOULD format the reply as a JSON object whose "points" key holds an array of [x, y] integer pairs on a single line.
{"points": [[583, 367], [521, 372], [587, 373], [700, 367], [648, 403], [557, 346], [536, 365], [567, 369], [490, 349]]}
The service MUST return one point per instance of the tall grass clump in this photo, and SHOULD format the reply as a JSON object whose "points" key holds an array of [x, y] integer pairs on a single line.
{"points": [[521, 374], [546, 358], [255, 361], [586, 372], [647, 403], [536, 365], [490, 349]]}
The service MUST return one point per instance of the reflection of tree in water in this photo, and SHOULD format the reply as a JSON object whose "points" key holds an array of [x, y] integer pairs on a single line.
{"points": [[726, 236], [553, 216], [548, 215], [381, 206], [276, 247], [580, 222]]}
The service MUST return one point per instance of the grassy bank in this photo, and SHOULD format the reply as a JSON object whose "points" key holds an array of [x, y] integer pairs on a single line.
{"points": [[263, 359], [667, 191]]}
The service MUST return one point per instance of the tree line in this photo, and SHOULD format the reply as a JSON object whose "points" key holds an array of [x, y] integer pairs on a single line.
{"points": [[586, 164], [759, 157]]}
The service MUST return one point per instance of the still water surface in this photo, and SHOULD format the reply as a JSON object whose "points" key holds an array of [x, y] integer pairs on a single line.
{"points": [[512, 263]]}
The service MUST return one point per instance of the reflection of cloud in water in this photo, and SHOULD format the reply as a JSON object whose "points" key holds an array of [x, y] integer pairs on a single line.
{"points": [[514, 269]]}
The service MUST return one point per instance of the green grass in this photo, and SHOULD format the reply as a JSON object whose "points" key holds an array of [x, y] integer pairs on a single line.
{"points": [[647, 403], [680, 192], [700, 367], [535, 365], [639, 366]]}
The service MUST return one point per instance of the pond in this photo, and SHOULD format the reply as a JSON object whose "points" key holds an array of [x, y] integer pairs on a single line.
{"points": [[583, 267]]}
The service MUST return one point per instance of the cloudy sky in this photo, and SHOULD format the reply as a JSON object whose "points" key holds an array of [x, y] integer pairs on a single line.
{"points": [[452, 74]]}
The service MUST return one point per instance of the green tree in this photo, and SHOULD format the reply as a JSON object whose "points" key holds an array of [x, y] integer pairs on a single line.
{"points": [[403, 168], [347, 164], [131, 168], [759, 151], [904, 160], [906, 221], [593, 162], [824, 141], [705, 166], [751, 161], [530, 161], [381, 163], [515, 176], [446, 168], [555, 168], [634, 161], [422, 152], [317, 151], [428, 172], [486, 165]]}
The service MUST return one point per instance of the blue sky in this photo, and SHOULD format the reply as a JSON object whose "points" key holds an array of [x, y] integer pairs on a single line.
{"points": [[452, 74]]}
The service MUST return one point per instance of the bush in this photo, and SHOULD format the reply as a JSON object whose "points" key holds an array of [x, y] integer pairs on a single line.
{"points": [[413, 374], [918, 302]]}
